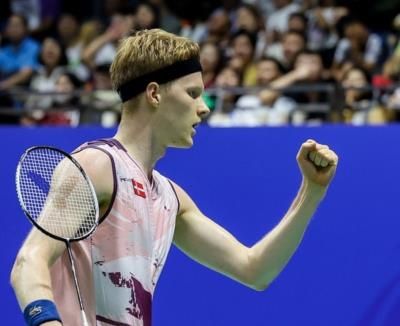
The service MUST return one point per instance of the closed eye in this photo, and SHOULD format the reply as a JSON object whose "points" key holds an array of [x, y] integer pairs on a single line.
{"points": [[194, 92]]}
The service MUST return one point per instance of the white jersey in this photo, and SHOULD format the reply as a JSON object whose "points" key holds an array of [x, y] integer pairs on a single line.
{"points": [[119, 265]]}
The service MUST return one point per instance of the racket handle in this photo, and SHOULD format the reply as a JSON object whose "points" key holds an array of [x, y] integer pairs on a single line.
{"points": [[84, 319]]}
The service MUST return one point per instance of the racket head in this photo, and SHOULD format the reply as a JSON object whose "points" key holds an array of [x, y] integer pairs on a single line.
{"points": [[56, 194]]}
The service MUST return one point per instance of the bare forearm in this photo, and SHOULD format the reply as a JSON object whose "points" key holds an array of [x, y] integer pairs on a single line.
{"points": [[91, 50], [31, 280], [269, 95], [270, 255]]}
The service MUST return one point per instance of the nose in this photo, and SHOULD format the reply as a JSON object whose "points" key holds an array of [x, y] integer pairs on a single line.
{"points": [[203, 110]]}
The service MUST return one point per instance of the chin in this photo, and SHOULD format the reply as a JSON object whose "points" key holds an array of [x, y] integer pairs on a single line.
{"points": [[183, 143]]}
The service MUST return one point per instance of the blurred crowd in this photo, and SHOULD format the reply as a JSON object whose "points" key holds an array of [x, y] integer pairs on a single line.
{"points": [[265, 62]]}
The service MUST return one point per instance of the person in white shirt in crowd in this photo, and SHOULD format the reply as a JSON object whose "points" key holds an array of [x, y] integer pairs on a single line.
{"points": [[250, 111]]}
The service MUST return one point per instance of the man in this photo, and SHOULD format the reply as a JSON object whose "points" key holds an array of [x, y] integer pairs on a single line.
{"points": [[158, 78]]}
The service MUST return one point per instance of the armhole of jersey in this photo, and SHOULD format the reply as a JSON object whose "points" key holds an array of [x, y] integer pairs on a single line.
{"points": [[115, 186], [176, 195]]}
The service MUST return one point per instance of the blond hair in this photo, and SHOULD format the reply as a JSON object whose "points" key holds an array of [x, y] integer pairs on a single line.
{"points": [[147, 51]]}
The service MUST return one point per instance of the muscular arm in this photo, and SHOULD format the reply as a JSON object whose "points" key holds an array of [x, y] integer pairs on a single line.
{"points": [[257, 266], [30, 276]]}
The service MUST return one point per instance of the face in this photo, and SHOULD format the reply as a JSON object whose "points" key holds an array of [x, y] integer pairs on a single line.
{"points": [[313, 62], [227, 78], [68, 27], [267, 71], [64, 85], [356, 33], [246, 20], [355, 78], [297, 24], [291, 45], [243, 48], [209, 57], [218, 23], [181, 109], [51, 52], [15, 29], [145, 16]]}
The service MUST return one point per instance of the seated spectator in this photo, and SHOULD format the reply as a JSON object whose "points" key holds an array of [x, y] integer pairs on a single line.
{"points": [[250, 111], [286, 51], [65, 105], [218, 27], [323, 18], [102, 98], [71, 35], [308, 70], [298, 22], [53, 63], [103, 48], [223, 103], [147, 16], [248, 18], [277, 20], [19, 58], [243, 46], [359, 48], [210, 59], [359, 107]]}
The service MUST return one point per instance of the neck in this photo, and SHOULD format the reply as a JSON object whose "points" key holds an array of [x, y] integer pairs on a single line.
{"points": [[137, 134]]}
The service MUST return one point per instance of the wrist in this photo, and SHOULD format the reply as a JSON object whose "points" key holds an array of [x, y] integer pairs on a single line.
{"points": [[41, 312], [313, 190]]}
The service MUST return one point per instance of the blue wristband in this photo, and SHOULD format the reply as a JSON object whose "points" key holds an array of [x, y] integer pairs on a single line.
{"points": [[40, 311]]}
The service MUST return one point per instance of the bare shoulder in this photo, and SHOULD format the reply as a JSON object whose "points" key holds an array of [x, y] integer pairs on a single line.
{"points": [[99, 168], [186, 204]]}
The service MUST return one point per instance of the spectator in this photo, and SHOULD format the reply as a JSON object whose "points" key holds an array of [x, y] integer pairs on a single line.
{"points": [[223, 105], [64, 110], [210, 60], [323, 18], [243, 47], [359, 47], [102, 98], [360, 108], [308, 70], [298, 22], [19, 58], [147, 16], [248, 18], [277, 21], [250, 111], [285, 52], [218, 28], [53, 64], [103, 48]]}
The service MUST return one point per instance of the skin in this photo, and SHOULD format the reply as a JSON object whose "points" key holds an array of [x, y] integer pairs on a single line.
{"points": [[166, 116]]}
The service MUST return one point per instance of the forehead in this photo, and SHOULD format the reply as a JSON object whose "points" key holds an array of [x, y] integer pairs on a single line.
{"points": [[192, 80]]}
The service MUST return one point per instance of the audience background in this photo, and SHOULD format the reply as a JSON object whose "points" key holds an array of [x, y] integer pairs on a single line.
{"points": [[265, 62]]}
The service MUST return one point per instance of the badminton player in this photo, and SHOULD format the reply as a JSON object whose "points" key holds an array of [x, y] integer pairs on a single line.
{"points": [[158, 77]]}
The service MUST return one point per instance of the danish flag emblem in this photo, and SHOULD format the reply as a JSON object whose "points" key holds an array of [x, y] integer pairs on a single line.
{"points": [[138, 189]]}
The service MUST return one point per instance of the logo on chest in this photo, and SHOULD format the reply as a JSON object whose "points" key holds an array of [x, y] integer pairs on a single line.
{"points": [[138, 188]]}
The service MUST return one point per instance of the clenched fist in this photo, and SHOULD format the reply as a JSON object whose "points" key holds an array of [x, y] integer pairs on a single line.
{"points": [[317, 163]]}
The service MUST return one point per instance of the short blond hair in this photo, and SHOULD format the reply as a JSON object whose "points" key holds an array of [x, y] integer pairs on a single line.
{"points": [[149, 50]]}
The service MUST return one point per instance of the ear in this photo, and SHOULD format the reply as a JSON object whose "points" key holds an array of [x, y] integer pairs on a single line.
{"points": [[153, 95]]}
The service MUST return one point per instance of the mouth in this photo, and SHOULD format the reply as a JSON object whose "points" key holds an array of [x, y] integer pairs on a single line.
{"points": [[194, 126]]}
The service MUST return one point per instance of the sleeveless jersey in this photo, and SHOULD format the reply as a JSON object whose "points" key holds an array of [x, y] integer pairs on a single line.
{"points": [[119, 264]]}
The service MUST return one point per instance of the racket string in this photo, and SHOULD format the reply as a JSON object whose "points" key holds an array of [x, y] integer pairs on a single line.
{"points": [[56, 194]]}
